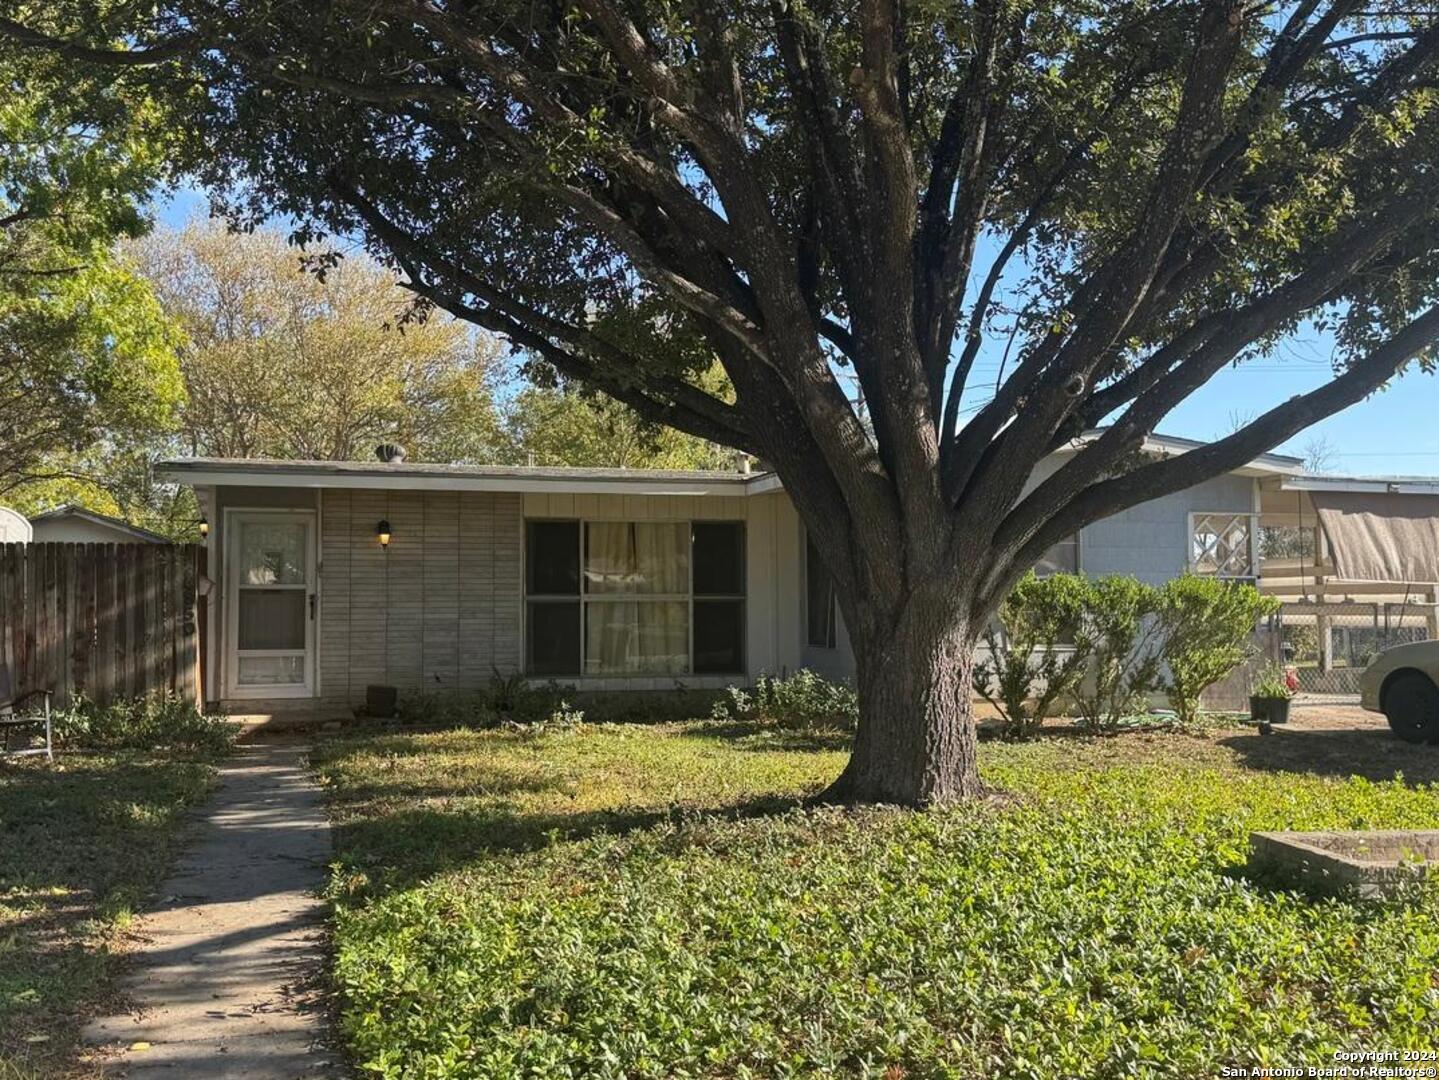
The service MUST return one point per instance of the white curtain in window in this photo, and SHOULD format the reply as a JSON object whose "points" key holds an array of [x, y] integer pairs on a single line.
{"points": [[630, 637], [637, 557]]}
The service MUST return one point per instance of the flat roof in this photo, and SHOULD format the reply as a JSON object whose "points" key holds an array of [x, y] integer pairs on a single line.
{"points": [[1391, 485], [271, 472], [267, 472]]}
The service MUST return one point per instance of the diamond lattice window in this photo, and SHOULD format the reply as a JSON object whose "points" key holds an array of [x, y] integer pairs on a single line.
{"points": [[1222, 545]]}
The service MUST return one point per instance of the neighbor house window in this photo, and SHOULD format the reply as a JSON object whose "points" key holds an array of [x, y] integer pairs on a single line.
{"points": [[634, 598], [1063, 558], [1222, 545], [819, 604]]}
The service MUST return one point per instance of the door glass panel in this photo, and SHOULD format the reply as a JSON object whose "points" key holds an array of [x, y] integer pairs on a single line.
{"points": [[272, 619], [273, 553], [272, 670]]}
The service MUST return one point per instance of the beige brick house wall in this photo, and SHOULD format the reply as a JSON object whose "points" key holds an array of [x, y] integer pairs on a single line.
{"points": [[442, 607], [438, 610]]}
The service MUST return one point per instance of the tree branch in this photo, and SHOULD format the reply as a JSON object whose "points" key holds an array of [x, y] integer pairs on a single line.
{"points": [[158, 53]]}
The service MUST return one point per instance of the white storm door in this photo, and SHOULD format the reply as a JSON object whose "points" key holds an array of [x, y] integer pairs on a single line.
{"points": [[272, 604]]}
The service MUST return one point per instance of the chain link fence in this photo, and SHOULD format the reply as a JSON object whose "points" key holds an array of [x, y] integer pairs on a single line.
{"points": [[1330, 645]]}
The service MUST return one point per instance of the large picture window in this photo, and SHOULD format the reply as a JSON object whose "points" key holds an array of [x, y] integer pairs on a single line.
{"points": [[609, 598]]}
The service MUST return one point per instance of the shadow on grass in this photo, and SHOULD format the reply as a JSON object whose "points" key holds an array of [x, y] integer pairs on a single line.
{"points": [[1372, 753], [81, 843], [409, 846], [766, 739]]}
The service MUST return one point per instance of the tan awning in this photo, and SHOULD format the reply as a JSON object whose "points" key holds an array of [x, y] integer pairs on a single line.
{"points": [[1375, 536]]}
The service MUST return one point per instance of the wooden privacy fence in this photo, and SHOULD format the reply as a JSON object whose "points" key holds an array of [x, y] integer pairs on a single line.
{"points": [[106, 621]]}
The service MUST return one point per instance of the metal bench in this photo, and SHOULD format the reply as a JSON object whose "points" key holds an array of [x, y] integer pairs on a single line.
{"points": [[19, 712]]}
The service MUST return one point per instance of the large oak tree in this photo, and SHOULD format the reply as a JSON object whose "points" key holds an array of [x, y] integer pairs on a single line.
{"points": [[1136, 193]]}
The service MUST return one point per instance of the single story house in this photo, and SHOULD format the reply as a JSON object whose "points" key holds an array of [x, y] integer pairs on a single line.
{"points": [[70, 524], [327, 577]]}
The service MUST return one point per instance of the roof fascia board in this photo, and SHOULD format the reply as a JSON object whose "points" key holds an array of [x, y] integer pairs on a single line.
{"points": [[449, 482], [1377, 485]]}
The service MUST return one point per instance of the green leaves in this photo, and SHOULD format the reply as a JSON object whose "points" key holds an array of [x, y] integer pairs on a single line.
{"points": [[1208, 627], [85, 352], [1104, 645]]}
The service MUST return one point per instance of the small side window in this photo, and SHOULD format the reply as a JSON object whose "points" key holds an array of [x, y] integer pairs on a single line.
{"points": [[819, 600]]}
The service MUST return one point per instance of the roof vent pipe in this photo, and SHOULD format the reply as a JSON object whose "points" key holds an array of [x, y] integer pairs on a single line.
{"points": [[390, 452]]}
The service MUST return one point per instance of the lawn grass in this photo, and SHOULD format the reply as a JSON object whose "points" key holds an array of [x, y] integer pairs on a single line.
{"points": [[655, 902], [82, 842]]}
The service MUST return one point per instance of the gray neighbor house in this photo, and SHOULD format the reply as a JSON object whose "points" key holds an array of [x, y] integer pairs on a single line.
{"points": [[327, 577]]}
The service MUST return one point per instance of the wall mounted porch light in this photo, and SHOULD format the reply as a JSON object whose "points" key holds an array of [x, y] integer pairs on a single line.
{"points": [[382, 530], [204, 526]]}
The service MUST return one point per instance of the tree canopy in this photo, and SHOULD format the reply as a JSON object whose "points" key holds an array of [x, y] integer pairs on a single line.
{"points": [[279, 361], [570, 425], [1136, 194], [84, 348]]}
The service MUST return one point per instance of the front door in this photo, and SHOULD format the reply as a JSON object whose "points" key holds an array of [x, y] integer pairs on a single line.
{"points": [[272, 604]]}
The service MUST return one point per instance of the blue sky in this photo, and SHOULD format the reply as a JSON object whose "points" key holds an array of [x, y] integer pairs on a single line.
{"points": [[1395, 432]]}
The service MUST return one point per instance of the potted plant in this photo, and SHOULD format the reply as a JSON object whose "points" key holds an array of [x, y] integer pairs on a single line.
{"points": [[1269, 696]]}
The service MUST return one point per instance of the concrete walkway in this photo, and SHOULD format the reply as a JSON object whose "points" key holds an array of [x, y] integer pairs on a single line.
{"points": [[235, 939]]}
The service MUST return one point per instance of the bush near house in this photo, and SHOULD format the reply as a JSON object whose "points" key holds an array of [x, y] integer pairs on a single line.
{"points": [[1125, 644], [1104, 645], [154, 722], [1208, 628], [627, 902], [803, 701], [1037, 654]]}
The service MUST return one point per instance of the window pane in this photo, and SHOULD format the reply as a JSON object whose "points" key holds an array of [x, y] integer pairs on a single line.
{"points": [[637, 557], [819, 600], [719, 637], [627, 637], [552, 638], [272, 619], [552, 558], [719, 559], [1063, 558], [272, 670]]}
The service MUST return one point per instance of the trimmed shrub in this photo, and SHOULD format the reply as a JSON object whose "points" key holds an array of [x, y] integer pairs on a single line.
{"points": [[1037, 653], [804, 701], [1208, 628], [1122, 638], [154, 722]]}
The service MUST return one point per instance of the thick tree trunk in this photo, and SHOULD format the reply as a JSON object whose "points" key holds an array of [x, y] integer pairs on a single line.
{"points": [[915, 745]]}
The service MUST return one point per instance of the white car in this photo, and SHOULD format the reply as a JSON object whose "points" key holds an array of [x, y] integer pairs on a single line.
{"points": [[1403, 684]]}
